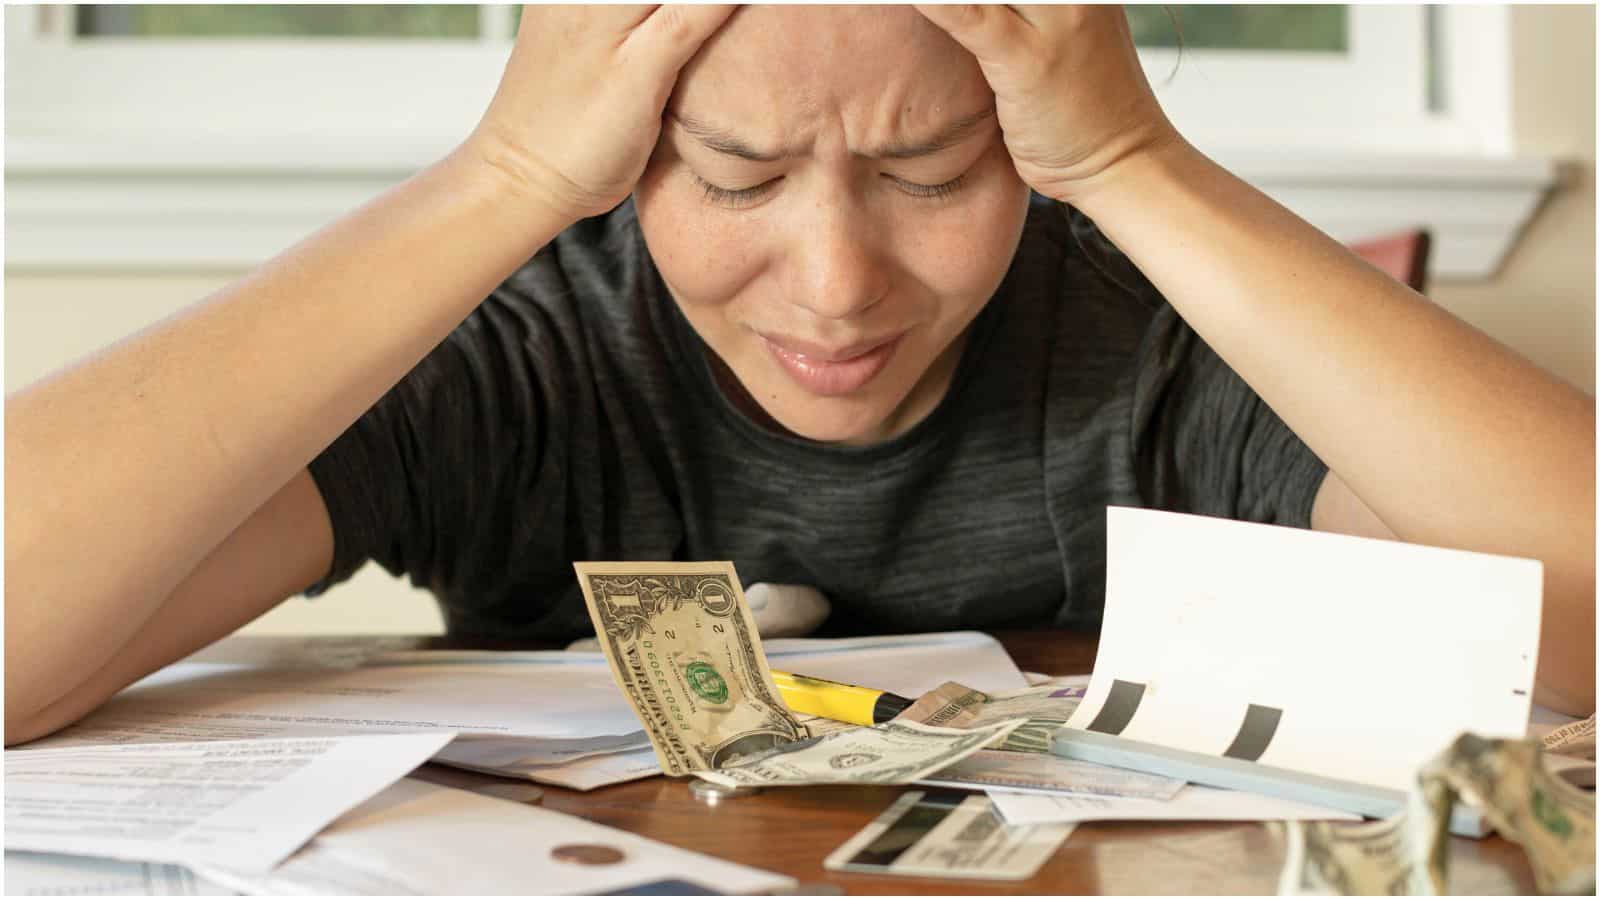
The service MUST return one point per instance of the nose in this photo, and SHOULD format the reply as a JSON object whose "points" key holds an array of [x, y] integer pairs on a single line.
{"points": [[839, 269]]}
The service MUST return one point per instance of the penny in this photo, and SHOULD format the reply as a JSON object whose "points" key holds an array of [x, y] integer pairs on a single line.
{"points": [[710, 793], [587, 854], [516, 793]]}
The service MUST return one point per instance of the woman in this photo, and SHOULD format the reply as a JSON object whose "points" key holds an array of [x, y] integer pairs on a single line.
{"points": [[830, 337]]}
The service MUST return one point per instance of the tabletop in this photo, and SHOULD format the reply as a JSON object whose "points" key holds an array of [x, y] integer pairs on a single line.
{"points": [[791, 830]]}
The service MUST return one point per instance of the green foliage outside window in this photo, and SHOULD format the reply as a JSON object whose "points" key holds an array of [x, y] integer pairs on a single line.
{"points": [[1276, 27], [264, 20]]}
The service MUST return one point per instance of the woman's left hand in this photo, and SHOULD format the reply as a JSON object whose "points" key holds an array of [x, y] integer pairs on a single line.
{"points": [[1070, 95]]}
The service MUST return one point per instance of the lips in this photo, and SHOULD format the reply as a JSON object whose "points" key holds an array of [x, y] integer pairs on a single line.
{"points": [[831, 371]]}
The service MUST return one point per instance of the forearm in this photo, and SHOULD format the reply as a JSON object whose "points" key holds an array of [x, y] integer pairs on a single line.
{"points": [[127, 469], [1451, 438]]}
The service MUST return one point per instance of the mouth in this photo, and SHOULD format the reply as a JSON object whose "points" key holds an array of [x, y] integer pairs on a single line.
{"points": [[832, 371]]}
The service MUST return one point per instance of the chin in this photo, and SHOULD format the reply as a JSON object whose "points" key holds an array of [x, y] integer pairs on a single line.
{"points": [[837, 422]]}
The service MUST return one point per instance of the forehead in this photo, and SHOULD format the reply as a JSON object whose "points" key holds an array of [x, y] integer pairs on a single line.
{"points": [[784, 70]]}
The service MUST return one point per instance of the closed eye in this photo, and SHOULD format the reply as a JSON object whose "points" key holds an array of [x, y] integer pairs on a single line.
{"points": [[737, 199], [930, 191]]}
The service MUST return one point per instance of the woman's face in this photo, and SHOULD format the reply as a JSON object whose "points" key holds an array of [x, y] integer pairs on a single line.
{"points": [[830, 205]]}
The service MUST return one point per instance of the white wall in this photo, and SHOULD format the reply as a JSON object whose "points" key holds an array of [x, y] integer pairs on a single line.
{"points": [[51, 319], [1542, 300], [1541, 303]]}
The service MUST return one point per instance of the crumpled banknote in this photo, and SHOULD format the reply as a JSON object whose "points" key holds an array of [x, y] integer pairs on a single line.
{"points": [[1528, 801]]}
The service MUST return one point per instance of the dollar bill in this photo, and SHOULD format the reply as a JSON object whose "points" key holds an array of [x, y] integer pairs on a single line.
{"points": [[1572, 739], [1518, 794], [683, 646], [891, 753], [954, 705]]}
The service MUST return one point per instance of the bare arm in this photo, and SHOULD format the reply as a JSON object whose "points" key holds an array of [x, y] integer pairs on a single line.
{"points": [[283, 548], [1450, 438], [1436, 432], [126, 472]]}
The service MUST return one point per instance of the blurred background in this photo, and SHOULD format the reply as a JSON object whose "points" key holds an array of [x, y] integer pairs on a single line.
{"points": [[155, 153]]}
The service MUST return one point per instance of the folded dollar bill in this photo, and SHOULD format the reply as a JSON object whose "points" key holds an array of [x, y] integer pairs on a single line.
{"points": [[891, 753], [1572, 739], [1407, 853], [954, 705]]}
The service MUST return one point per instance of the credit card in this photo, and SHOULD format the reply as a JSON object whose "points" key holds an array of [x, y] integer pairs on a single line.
{"points": [[947, 834]]}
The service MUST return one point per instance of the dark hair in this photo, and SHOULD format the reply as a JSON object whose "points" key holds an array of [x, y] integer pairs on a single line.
{"points": [[1177, 30]]}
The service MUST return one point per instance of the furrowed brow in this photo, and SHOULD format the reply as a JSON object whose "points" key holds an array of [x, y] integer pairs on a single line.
{"points": [[957, 132], [714, 138]]}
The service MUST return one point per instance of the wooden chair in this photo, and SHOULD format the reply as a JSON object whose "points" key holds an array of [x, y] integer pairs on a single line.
{"points": [[1403, 255]]}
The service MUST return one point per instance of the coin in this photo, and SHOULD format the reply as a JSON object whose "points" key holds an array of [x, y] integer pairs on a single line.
{"points": [[710, 793], [587, 854], [513, 791]]}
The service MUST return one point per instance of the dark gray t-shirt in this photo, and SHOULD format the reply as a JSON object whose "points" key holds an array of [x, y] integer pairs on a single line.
{"points": [[574, 416]]}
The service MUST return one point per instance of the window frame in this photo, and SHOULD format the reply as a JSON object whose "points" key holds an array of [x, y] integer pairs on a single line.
{"points": [[106, 133]]}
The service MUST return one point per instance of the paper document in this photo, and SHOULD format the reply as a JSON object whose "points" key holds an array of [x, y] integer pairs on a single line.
{"points": [[907, 665], [579, 775], [1345, 657], [548, 695], [54, 875], [553, 716], [241, 804], [419, 838], [1193, 803]]}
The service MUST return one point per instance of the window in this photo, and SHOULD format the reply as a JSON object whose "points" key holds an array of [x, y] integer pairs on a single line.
{"points": [[251, 20], [1300, 28], [304, 110]]}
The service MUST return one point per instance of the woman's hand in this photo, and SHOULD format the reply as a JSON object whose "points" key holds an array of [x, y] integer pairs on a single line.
{"points": [[1070, 95], [579, 108]]}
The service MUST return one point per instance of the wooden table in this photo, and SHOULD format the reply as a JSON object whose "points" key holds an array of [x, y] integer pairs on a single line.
{"points": [[791, 830]]}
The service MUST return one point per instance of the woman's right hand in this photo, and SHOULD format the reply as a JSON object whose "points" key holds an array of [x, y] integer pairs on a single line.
{"points": [[579, 108]]}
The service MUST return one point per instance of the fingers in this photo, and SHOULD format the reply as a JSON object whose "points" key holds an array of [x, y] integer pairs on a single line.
{"points": [[991, 33], [673, 33]]}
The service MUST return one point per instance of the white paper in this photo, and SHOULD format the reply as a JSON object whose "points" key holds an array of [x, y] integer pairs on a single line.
{"points": [[554, 716], [1194, 803], [419, 838], [1377, 653], [547, 695], [54, 875], [908, 665], [242, 804], [519, 753], [555, 694], [579, 775]]}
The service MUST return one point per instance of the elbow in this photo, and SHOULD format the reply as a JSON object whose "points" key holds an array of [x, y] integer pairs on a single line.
{"points": [[22, 729], [1578, 703], [29, 722]]}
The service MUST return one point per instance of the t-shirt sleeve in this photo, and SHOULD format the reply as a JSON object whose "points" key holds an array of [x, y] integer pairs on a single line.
{"points": [[413, 483], [1201, 439], [1206, 443]]}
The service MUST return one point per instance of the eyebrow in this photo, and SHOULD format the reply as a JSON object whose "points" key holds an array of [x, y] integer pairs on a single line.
{"points": [[725, 142]]}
